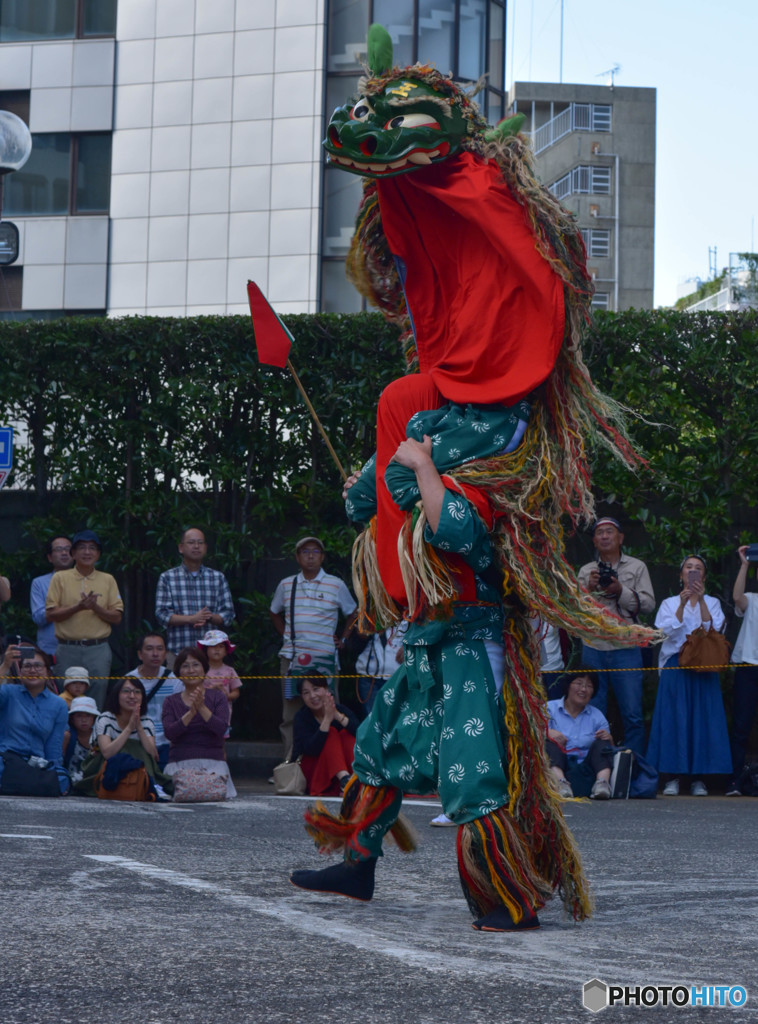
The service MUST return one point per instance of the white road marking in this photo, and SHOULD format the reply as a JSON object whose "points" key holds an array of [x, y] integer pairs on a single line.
{"points": [[311, 923], [546, 952], [22, 835]]}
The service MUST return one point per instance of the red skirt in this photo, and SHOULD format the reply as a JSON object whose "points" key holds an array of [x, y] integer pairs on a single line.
{"points": [[337, 756]]}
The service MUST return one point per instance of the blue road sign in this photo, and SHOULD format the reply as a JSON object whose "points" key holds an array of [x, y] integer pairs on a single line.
{"points": [[6, 448]]}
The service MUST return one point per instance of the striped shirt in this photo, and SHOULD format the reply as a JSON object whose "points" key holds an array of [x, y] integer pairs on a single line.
{"points": [[318, 603]]}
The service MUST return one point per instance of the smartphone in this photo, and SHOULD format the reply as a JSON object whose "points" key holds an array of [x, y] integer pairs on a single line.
{"points": [[694, 576], [752, 553]]}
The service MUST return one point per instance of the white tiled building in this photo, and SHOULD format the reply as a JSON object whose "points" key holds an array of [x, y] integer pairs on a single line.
{"points": [[177, 145]]}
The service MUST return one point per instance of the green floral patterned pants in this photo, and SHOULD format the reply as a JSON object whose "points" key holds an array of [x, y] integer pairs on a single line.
{"points": [[437, 726]]}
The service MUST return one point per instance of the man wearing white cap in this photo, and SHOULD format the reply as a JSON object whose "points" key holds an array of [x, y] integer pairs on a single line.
{"points": [[622, 584], [305, 610]]}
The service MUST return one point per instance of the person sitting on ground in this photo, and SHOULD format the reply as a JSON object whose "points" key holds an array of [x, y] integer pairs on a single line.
{"points": [[323, 737], [159, 683], [32, 717], [220, 676], [196, 719], [77, 742], [124, 727], [578, 740], [75, 683]]}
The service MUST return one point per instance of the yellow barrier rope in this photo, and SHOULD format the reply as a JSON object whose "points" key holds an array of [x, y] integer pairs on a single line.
{"points": [[557, 671]]}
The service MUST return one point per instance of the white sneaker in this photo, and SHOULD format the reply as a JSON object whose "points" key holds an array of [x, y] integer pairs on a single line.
{"points": [[671, 788], [698, 788], [441, 821], [564, 789]]}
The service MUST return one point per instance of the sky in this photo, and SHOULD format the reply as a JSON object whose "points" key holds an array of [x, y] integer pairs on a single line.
{"points": [[701, 58]]}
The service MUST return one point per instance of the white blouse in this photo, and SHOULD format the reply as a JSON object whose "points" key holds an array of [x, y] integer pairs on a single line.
{"points": [[676, 631]]}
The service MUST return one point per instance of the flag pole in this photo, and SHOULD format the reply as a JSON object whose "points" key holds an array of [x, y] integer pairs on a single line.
{"points": [[316, 420]]}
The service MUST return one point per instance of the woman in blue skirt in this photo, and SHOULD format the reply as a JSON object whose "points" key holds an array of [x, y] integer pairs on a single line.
{"points": [[689, 734]]}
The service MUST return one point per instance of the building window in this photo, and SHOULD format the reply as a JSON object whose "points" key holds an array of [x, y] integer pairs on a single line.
{"points": [[597, 241], [11, 283], [25, 20], [601, 300], [17, 102], [583, 180], [465, 39], [65, 174]]}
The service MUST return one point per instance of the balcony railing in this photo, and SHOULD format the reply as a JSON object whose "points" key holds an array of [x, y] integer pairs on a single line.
{"points": [[577, 117]]}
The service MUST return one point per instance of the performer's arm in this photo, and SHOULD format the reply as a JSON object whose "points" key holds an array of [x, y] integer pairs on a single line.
{"points": [[359, 493], [417, 455]]}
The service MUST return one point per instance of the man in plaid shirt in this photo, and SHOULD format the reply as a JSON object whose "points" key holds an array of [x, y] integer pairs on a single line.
{"points": [[192, 598]]}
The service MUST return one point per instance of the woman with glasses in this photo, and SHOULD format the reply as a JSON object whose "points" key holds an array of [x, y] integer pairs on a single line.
{"points": [[125, 718], [195, 721], [32, 718], [124, 740]]}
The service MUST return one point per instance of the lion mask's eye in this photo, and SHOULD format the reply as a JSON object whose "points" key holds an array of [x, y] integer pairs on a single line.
{"points": [[412, 121], [361, 110]]}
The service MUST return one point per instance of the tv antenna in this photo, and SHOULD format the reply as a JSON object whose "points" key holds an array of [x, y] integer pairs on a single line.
{"points": [[611, 74]]}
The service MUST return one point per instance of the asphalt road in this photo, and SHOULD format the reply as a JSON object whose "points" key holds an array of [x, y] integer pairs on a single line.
{"points": [[154, 914]]}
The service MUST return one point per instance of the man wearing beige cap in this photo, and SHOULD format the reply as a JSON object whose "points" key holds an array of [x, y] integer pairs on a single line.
{"points": [[305, 611]]}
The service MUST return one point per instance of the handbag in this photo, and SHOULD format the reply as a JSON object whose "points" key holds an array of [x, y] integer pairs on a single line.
{"points": [[632, 777], [289, 779], [705, 650], [22, 778], [198, 785], [133, 785]]}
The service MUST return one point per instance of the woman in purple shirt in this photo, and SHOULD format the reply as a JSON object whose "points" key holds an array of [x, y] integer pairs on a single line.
{"points": [[195, 720]]}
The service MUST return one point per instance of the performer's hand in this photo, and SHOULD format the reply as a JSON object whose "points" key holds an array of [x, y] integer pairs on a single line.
{"points": [[414, 454], [352, 479]]}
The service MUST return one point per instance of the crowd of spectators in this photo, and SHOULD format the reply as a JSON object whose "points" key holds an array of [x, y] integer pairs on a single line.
{"points": [[159, 727], [168, 718]]}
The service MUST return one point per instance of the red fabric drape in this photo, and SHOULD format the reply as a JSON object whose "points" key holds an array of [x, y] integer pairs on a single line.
{"points": [[487, 308], [398, 402]]}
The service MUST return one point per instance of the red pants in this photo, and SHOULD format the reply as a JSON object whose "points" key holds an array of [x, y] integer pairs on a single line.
{"points": [[337, 756]]}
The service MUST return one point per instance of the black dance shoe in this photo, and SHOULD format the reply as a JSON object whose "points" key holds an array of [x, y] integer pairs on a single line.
{"points": [[499, 920], [353, 878]]}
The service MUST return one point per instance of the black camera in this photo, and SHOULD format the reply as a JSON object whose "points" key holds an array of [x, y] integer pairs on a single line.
{"points": [[606, 574]]}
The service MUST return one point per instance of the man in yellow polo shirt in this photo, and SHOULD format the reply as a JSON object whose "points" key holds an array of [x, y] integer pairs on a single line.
{"points": [[84, 604]]}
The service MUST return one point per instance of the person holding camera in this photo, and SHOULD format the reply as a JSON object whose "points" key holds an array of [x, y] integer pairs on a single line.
{"points": [[622, 585], [745, 657]]}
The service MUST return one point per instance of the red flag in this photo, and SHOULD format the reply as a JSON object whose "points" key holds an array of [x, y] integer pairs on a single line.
{"points": [[272, 339]]}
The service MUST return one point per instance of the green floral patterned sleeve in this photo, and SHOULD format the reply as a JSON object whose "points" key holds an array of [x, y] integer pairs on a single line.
{"points": [[360, 504], [461, 532]]}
